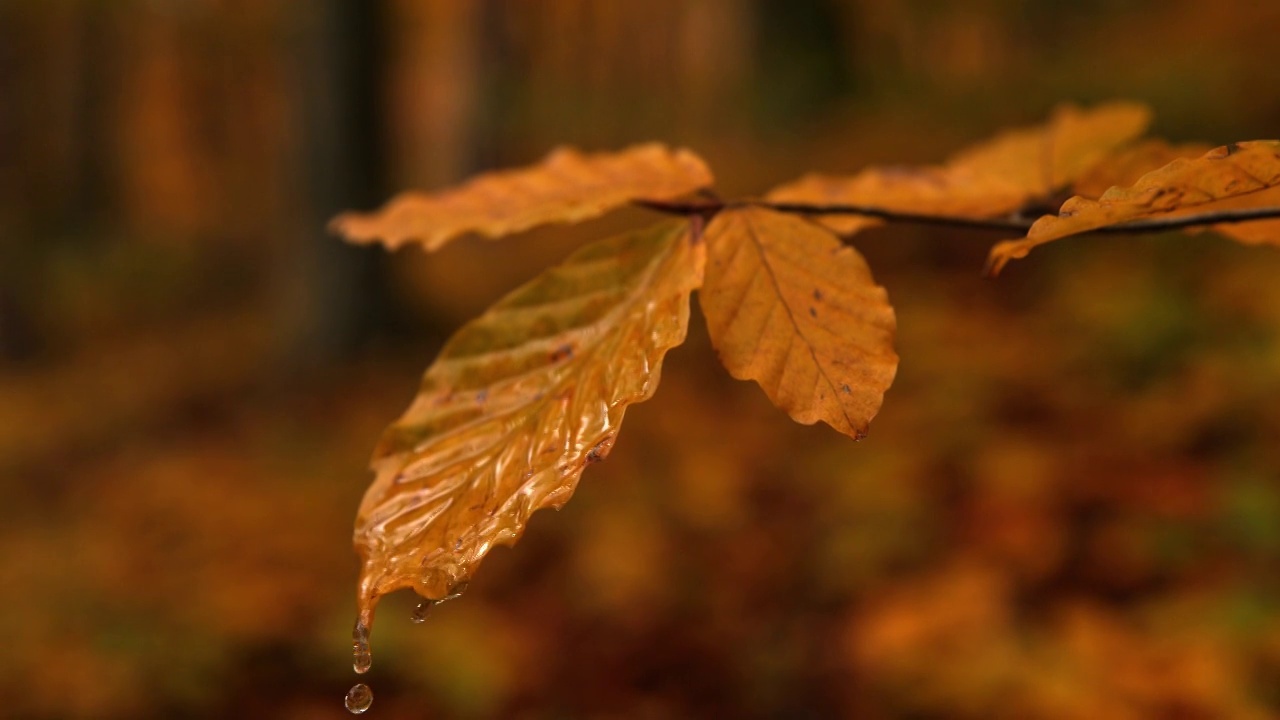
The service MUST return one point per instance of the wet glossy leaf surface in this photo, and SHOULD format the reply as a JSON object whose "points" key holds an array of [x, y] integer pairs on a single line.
{"points": [[518, 403]]}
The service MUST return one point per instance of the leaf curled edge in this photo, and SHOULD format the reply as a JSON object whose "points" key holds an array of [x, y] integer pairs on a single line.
{"points": [[988, 180], [1128, 165], [565, 186], [518, 402], [789, 306], [1232, 177], [1045, 158]]}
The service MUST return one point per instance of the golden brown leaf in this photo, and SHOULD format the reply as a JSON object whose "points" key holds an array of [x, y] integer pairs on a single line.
{"points": [[1045, 158], [790, 307], [1233, 177], [929, 189], [1128, 165], [566, 186], [1256, 232], [519, 401], [988, 180]]}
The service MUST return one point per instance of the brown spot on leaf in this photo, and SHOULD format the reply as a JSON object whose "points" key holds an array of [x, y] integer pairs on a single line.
{"points": [[600, 451]]}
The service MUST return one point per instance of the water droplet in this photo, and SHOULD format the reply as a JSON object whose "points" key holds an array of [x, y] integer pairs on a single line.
{"points": [[362, 660], [420, 612], [456, 591], [362, 657], [359, 698]]}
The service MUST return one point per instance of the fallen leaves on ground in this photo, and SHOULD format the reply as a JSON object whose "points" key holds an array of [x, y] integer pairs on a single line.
{"points": [[566, 186]]}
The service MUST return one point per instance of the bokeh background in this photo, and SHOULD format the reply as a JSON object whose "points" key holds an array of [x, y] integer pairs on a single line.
{"points": [[1068, 508]]}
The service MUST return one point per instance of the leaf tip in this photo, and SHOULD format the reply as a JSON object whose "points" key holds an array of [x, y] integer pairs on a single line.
{"points": [[360, 228], [995, 263], [338, 225], [1001, 253]]}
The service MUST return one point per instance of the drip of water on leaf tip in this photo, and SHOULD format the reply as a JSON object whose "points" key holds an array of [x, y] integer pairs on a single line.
{"points": [[420, 612], [456, 591], [362, 658], [359, 698]]}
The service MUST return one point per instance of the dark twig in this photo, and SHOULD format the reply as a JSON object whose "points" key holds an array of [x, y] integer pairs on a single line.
{"points": [[1010, 225], [1185, 221], [1001, 224], [705, 208]]}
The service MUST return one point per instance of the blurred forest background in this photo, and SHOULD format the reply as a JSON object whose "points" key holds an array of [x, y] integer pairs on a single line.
{"points": [[1068, 508]]}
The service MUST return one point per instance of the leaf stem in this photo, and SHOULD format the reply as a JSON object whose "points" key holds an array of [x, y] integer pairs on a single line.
{"points": [[1178, 222], [707, 209], [704, 208], [1000, 224]]}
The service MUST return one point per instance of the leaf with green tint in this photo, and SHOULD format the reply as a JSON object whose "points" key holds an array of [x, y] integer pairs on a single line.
{"points": [[520, 400]]}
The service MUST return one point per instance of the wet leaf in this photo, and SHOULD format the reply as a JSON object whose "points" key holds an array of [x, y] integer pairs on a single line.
{"points": [[566, 186], [519, 401], [989, 180], [790, 307], [1233, 177]]}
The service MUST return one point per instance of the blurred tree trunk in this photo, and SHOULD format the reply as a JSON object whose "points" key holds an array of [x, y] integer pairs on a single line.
{"points": [[56, 63], [329, 297]]}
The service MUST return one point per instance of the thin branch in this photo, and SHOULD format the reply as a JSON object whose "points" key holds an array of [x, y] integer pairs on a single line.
{"points": [[1009, 225], [709, 207], [1000, 224], [1185, 221]]}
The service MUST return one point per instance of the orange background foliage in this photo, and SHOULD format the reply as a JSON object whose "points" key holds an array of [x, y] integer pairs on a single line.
{"points": [[1069, 506]]}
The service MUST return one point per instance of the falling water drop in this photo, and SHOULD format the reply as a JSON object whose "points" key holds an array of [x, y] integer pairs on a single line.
{"points": [[362, 658], [420, 612], [359, 698]]}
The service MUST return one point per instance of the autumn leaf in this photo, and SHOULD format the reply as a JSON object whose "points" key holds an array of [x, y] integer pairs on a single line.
{"points": [[991, 179], [1233, 177], [936, 190], [1042, 159], [566, 186], [789, 306], [1126, 166], [519, 401]]}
